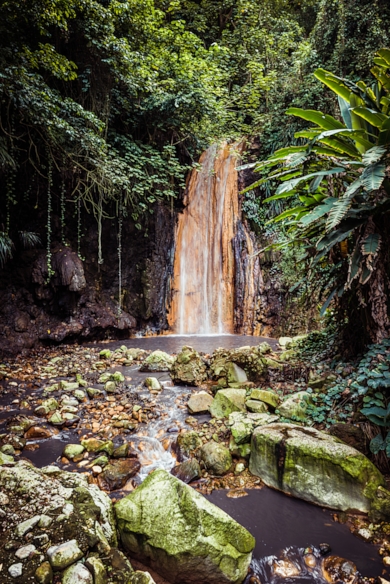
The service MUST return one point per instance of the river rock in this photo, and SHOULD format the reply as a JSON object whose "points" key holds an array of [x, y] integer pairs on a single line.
{"points": [[188, 441], [16, 570], [284, 342], [37, 433], [199, 403], [86, 514], [24, 552], [44, 574], [64, 555], [157, 361], [96, 445], [239, 450], [117, 473], [141, 578], [227, 401], [216, 457], [187, 471], [336, 569], [314, 466], [77, 574], [269, 397], [153, 384], [235, 374], [48, 405], [176, 531], [255, 406], [72, 450], [294, 406], [188, 368]]}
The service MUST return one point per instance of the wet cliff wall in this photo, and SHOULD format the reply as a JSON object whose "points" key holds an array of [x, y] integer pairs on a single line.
{"points": [[81, 301]]}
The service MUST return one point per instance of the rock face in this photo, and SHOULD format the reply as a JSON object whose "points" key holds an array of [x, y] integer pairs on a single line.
{"points": [[157, 361], [227, 401], [183, 536], [314, 466], [189, 368]]}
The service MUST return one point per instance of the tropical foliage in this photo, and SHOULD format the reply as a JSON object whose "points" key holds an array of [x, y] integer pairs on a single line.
{"points": [[339, 181]]}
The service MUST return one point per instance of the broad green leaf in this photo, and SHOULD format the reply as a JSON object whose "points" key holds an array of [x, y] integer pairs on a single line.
{"points": [[372, 176], [341, 147], [377, 444], [323, 120], [334, 84], [289, 213], [372, 117], [371, 244], [375, 153], [337, 213], [327, 302], [344, 110], [292, 184], [385, 55]]}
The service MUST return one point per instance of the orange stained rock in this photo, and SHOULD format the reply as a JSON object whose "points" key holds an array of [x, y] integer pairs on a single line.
{"points": [[203, 280]]}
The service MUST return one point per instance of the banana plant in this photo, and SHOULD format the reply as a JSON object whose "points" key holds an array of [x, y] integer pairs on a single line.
{"points": [[338, 177]]}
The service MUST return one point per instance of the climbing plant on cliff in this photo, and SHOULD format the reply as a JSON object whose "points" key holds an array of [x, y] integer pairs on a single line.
{"points": [[338, 180]]}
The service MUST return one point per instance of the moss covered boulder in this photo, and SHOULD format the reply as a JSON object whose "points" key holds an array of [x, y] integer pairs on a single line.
{"points": [[216, 457], [314, 466], [157, 361], [294, 406], [189, 368], [249, 359], [227, 401], [169, 526]]}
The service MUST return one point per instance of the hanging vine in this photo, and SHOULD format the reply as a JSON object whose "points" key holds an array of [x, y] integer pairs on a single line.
{"points": [[50, 271], [62, 210], [79, 234], [120, 221]]}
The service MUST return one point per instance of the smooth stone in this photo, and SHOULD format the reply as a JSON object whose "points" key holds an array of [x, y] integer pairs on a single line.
{"points": [[118, 377], [141, 578], [235, 374], [314, 466], [199, 403], [121, 451], [152, 383], [110, 387], [284, 342], [187, 471], [27, 525], [216, 457], [16, 570], [242, 431], [117, 473], [172, 527], [56, 418], [64, 555], [77, 574], [7, 449], [24, 552], [72, 450], [227, 401], [239, 450]]}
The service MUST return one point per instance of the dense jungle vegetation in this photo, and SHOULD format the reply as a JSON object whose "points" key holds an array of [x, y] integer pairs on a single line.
{"points": [[106, 105]]}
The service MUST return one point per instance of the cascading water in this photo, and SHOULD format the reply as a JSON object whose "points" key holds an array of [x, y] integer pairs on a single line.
{"points": [[203, 294], [216, 278]]}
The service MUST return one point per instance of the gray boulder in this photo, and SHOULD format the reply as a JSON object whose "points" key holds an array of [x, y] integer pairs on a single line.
{"points": [[169, 526]]}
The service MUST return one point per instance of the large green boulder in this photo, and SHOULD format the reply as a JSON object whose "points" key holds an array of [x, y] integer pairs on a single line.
{"points": [[227, 401], [268, 397], [314, 466], [189, 368], [168, 525], [157, 361]]}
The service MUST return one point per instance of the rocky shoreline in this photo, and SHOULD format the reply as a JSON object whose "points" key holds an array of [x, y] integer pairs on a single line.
{"points": [[59, 522]]}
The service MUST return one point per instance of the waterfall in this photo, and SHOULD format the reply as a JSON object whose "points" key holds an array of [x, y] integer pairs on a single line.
{"points": [[207, 254]]}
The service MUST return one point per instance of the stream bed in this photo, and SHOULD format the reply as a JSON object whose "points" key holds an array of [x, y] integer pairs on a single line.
{"points": [[282, 526]]}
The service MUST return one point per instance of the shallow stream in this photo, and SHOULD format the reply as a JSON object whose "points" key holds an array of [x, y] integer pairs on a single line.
{"points": [[283, 526]]}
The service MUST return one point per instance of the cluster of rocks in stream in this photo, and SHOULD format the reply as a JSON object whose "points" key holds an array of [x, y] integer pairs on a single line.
{"points": [[62, 527]]}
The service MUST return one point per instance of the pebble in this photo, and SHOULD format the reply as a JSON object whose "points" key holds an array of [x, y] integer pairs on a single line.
{"points": [[24, 552], [96, 469], [27, 526], [386, 560], [15, 570]]}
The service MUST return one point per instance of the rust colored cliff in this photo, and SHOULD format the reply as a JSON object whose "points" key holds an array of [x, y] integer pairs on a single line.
{"points": [[217, 279]]}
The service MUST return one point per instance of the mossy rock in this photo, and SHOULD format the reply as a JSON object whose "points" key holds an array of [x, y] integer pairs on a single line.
{"points": [[157, 361], [189, 368], [227, 401], [249, 359], [294, 406], [171, 527], [216, 457], [314, 466], [269, 397]]}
